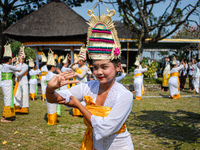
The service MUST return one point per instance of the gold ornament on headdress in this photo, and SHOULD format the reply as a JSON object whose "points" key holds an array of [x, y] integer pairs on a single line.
{"points": [[137, 61], [44, 58], [66, 58], [7, 51], [51, 60], [21, 52], [31, 62], [174, 61], [82, 53]]}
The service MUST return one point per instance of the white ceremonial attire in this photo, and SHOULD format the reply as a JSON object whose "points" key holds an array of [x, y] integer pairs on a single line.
{"points": [[33, 82], [51, 107], [140, 67], [44, 71], [7, 89], [82, 73], [196, 81], [119, 78], [63, 69], [138, 82], [174, 84], [166, 74], [21, 96], [120, 100]]}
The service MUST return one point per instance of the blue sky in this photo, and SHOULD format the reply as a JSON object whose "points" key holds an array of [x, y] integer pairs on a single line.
{"points": [[159, 9]]}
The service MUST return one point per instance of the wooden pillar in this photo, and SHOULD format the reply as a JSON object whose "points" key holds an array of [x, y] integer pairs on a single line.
{"points": [[127, 58], [72, 54]]}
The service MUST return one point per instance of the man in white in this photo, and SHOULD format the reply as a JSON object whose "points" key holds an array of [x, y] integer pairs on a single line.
{"points": [[21, 87], [7, 89]]}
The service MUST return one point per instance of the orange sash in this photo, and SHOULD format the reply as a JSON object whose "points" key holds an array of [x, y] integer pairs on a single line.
{"points": [[176, 74], [87, 143], [16, 84], [138, 74]]}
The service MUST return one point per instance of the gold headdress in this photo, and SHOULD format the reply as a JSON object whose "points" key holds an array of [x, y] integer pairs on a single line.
{"points": [[31, 62], [7, 51], [51, 60], [44, 58], [102, 40], [82, 53], [137, 61], [21, 52], [174, 61], [66, 58]]}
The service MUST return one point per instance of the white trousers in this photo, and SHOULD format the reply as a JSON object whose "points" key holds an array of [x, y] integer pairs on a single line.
{"points": [[32, 88], [43, 85], [196, 84], [51, 108], [22, 98], [137, 86], [6, 90], [173, 85]]}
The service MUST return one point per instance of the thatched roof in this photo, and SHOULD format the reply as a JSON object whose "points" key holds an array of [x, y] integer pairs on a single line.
{"points": [[123, 31], [55, 19]]}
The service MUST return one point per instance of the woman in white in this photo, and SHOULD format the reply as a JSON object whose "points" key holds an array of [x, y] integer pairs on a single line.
{"points": [[63, 69], [108, 103], [196, 78], [7, 89], [138, 80], [174, 83], [44, 71], [33, 81]]}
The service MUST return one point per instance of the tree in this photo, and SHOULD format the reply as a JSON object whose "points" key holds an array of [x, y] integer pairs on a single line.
{"points": [[187, 32], [138, 16]]}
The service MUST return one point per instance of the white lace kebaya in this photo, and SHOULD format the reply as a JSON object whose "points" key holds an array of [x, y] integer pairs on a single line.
{"points": [[120, 100]]}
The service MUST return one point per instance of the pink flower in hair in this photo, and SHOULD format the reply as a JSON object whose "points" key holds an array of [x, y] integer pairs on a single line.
{"points": [[116, 51]]}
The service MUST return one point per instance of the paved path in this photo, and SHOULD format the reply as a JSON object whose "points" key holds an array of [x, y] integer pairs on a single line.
{"points": [[168, 96]]}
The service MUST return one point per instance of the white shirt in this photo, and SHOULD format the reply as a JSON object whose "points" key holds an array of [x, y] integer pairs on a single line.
{"points": [[44, 68], [50, 75], [31, 73], [23, 79], [119, 78], [10, 68], [177, 69], [139, 70], [121, 101], [81, 77]]}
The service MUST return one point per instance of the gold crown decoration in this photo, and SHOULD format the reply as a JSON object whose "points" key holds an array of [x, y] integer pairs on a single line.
{"points": [[21, 52], [7, 51], [55, 56], [66, 58], [82, 53], [44, 58], [75, 56], [137, 61], [51, 60], [174, 61], [102, 39], [31, 62]]}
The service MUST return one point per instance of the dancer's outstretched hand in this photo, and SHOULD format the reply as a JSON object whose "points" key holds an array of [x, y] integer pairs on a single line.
{"points": [[60, 80]]}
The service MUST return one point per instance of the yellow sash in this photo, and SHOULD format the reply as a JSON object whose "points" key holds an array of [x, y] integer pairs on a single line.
{"points": [[87, 143], [138, 74], [176, 74], [16, 84], [44, 73]]}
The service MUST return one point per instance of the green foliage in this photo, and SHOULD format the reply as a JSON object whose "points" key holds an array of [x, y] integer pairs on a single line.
{"points": [[151, 69], [15, 47]]}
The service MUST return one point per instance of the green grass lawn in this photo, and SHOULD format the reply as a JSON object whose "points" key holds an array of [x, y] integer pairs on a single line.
{"points": [[154, 123]]}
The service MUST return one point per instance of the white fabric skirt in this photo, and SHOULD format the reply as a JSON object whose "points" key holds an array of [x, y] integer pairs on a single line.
{"points": [[137, 86], [6, 90], [51, 108], [173, 85], [32, 88]]}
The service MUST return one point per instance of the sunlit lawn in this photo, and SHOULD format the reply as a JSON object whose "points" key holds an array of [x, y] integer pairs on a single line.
{"points": [[154, 123]]}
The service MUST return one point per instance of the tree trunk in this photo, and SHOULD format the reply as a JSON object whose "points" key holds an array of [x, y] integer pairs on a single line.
{"points": [[140, 48]]}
